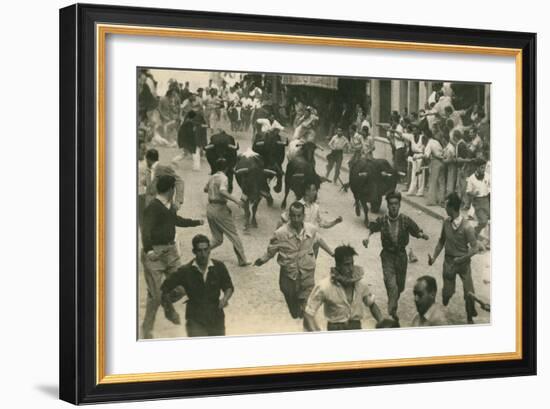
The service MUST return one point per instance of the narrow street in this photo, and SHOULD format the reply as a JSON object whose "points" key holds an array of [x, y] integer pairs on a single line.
{"points": [[258, 307]]}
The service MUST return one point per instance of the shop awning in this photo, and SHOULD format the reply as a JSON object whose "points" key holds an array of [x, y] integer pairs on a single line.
{"points": [[311, 81]]}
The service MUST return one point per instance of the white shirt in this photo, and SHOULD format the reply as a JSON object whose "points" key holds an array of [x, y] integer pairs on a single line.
{"points": [[365, 123], [268, 126], [433, 149], [399, 142], [478, 188], [312, 215], [417, 148], [246, 102]]}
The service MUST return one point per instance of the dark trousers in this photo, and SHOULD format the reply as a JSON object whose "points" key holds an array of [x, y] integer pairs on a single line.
{"points": [[199, 329], [296, 293], [394, 266], [450, 271], [400, 159], [335, 158], [342, 326]]}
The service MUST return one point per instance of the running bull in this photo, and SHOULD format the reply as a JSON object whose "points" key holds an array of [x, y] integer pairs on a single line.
{"points": [[223, 145], [252, 179], [370, 180]]}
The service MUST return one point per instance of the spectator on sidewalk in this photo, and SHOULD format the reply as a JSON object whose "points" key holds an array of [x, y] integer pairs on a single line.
{"points": [[479, 190], [418, 145], [449, 162], [356, 145], [434, 152]]}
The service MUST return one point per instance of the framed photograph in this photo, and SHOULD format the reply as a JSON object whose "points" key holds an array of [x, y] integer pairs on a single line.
{"points": [[257, 204]]}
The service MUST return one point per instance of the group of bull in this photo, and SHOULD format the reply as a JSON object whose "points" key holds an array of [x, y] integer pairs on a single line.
{"points": [[254, 170]]}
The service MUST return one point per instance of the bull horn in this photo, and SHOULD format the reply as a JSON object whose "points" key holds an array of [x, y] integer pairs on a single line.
{"points": [[232, 146], [209, 146], [259, 143], [401, 173], [270, 172], [242, 170], [362, 174], [385, 174], [299, 174]]}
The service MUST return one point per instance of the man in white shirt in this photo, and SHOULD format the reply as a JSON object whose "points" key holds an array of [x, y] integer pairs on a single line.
{"points": [[478, 189], [338, 143]]}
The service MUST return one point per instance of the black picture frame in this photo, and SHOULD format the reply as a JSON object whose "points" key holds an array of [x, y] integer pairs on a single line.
{"points": [[78, 197]]}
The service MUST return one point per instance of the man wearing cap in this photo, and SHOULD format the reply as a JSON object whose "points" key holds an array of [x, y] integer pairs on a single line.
{"points": [[160, 255], [294, 243], [395, 229], [344, 294]]}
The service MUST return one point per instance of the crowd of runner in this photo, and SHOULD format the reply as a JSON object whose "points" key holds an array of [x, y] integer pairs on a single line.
{"points": [[438, 152]]}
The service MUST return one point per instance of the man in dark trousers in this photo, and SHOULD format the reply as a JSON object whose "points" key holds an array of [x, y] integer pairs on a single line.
{"points": [[458, 237], [160, 255], [204, 280], [294, 243], [395, 229]]}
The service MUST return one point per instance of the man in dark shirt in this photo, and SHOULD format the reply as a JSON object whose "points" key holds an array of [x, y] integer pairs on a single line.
{"points": [[160, 255], [459, 240], [395, 229], [203, 280]]}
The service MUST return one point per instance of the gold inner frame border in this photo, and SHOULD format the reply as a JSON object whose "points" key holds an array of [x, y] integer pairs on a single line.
{"points": [[102, 30]]}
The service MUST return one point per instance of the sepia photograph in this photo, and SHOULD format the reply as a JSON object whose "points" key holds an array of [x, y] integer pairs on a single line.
{"points": [[275, 203]]}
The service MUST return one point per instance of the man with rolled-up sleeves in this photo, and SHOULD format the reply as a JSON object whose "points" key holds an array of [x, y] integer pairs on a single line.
{"points": [[294, 243]]}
